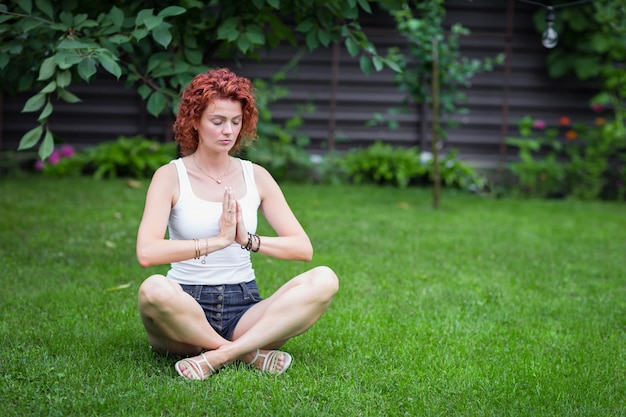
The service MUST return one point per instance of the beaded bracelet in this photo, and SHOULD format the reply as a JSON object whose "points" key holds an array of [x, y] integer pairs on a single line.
{"points": [[248, 245]]}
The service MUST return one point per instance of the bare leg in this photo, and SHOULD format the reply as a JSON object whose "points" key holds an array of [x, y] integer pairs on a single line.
{"points": [[174, 321], [290, 311]]}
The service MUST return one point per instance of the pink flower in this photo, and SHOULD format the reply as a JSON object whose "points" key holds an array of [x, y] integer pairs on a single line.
{"points": [[67, 151], [55, 157], [539, 124], [597, 108], [39, 165], [619, 183]]}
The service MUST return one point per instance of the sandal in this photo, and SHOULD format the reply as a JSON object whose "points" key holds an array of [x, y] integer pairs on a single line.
{"points": [[270, 361], [193, 366]]}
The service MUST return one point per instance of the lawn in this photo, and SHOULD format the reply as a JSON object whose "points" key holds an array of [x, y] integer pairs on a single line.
{"points": [[481, 308]]}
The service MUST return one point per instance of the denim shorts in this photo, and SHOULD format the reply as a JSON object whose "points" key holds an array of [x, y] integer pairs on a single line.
{"points": [[224, 305]]}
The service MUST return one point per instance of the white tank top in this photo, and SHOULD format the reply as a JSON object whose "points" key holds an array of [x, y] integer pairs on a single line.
{"points": [[194, 218]]}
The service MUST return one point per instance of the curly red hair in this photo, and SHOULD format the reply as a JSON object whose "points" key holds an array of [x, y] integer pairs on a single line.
{"points": [[205, 88]]}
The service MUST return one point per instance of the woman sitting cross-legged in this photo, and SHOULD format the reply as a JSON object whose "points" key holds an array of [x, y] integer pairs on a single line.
{"points": [[207, 308]]}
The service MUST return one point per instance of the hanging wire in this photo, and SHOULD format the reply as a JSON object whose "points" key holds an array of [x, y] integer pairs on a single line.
{"points": [[555, 6]]}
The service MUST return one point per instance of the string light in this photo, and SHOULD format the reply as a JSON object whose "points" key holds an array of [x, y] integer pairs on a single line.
{"points": [[550, 37]]}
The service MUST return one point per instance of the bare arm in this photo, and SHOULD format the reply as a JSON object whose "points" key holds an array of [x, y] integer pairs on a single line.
{"points": [[291, 241], [152, 247]]}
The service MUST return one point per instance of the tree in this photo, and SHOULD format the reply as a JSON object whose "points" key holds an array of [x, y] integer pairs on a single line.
{"points": [[49, 46]]}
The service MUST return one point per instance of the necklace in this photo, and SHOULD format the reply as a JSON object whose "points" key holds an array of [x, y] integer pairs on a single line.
{"points": [[219, 181]]}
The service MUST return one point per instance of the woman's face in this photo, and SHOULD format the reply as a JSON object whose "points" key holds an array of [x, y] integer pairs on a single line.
{"points": [[219, 125]]}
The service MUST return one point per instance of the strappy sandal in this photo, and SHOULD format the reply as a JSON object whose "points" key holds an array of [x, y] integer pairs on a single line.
{"points": [[193, 366], [270, 361]]}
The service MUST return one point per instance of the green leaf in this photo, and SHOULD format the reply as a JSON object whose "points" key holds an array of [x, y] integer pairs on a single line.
{"points": [[152, 22], [68, 97], [161, 34], [378, 63], [366, 64], [67, 58], [119, 39], [34, 103], [66, 18], [117, 16], [72, 44], [365, 5], [324, 37], [30, 138], [143, 15], [109, 64], [274, 3], [87, 68], [26, 5], [49, 88], [144, 91], [193, 56], [311, 40], [352, 46], [156, 103], [255, 35], [228, 30], [258, 3], [46, 112], [47, 146], [172, 11], [305, 26], [46, 70], [46, 7], [139, 34]]}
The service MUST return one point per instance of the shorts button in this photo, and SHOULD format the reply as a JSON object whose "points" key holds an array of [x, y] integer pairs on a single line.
{"points": [[220, 288], [219, 297], [219, 306], [219, 314]]}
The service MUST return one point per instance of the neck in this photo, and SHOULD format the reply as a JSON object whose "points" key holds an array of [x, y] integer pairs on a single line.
{"points": [[215, 168]]}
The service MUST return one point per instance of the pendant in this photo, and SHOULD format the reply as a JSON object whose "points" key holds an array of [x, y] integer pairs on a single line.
{"points": [[219, 181]]}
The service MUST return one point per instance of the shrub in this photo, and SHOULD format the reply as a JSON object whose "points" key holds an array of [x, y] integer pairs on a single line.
{"points": [[382, 163], [133, 157], [570, 159]]}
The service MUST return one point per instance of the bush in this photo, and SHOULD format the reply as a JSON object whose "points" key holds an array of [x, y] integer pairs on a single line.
{"points": [[382, 163], [129, 157], [570, 159]]}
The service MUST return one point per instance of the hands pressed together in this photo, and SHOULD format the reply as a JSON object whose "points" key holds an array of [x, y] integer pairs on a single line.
{"points": [[232, 228]]}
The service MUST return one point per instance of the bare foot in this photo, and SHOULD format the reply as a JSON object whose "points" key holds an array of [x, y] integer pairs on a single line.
{"points": [[201, 366], [271, 361]]}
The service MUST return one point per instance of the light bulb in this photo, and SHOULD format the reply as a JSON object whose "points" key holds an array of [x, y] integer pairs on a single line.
{"points": [[549, 37]]}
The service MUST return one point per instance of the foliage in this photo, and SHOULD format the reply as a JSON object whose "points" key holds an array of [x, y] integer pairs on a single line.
{"points": [[383, 163], [592, 46], [281, 148], [421, 22], [571, 159], [50, 46], [131, 157]]}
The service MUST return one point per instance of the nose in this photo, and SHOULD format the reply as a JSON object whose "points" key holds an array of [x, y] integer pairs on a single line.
{"points": [[228, 128]]}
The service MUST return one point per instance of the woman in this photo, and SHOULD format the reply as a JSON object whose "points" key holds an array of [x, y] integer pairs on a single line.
{"points": [[208, 308]]}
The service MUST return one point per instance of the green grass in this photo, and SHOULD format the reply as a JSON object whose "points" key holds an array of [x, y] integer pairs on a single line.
{"points": [[481, 308]]}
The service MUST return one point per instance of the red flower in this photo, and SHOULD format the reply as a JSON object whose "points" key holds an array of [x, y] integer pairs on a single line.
{"points": [[571, 134], [597, 108], [565, 121]]}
